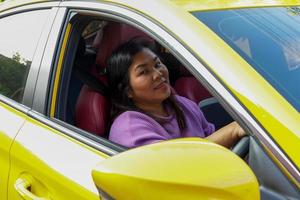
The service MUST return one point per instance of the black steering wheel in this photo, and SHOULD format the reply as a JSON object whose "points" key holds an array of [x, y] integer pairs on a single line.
{"points": [[241, 148]]}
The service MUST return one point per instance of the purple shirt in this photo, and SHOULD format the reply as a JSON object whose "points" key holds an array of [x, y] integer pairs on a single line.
{"points": [[132, 129]]}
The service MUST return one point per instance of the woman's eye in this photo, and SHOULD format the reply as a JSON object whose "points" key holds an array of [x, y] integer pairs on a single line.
{"points": [[158, 65], [142, 72]]}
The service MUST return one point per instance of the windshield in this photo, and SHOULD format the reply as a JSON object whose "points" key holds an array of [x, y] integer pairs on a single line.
{"points": [[268, 39]]}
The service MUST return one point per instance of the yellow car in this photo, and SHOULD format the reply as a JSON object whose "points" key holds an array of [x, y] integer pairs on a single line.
{"points": [[240, 60]]}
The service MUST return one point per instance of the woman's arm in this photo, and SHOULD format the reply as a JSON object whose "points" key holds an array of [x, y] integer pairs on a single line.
{"points": [[228, 135]]}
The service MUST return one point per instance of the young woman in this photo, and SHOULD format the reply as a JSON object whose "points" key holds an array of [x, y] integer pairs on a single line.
{"points": [[145, 110]]}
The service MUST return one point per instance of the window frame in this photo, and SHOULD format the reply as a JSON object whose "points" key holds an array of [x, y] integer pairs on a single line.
{"points": [[105, 15]]}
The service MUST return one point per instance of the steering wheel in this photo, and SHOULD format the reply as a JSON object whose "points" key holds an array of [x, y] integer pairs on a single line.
{"points": [[241, 148]]}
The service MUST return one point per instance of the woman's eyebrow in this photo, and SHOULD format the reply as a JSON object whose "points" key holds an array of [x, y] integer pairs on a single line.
{"points": [[145, 64], [140, 66]]}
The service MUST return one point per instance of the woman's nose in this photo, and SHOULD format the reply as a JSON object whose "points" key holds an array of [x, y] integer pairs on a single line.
{"points": [[157, 73]]}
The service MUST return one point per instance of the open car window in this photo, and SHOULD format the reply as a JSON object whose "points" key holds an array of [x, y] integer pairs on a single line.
{"points": [[85, 103]]}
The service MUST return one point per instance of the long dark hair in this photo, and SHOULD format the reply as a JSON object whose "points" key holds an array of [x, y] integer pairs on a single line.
{"points": [[118, 78]]}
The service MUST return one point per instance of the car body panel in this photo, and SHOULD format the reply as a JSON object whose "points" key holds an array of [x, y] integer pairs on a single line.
{"points": [[11, 122], [41, 94], [38, 57], [60, 166], [9, 4]]}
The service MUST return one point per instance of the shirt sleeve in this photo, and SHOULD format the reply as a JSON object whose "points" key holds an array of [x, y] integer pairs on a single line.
{"points": [[191, 107], [132, 129]]}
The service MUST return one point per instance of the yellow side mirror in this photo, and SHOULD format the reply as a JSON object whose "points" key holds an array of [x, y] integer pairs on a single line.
{"points": [[177, 169]]}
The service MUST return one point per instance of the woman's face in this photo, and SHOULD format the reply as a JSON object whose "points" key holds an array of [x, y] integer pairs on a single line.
{"points": [[148, 78]]}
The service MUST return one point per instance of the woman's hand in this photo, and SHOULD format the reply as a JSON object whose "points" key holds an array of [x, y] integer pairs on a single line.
{"points": [[228, 135], [237, 131]]}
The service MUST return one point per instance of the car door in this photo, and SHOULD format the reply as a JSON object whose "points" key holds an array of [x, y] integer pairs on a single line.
{"points": [[47, 160], [11, 121], [17, 46], [49, 164]]}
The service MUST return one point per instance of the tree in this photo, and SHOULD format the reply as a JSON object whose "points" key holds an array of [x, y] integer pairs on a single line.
{"points": [[16, 57], [13, 75]]}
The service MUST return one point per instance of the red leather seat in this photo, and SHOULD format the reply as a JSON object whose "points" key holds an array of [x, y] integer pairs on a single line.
{"points": [[92, 111], [92, 108], [190, 88]]}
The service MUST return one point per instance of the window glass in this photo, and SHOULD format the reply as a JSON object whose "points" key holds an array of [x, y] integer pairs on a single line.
{"points": [[19, 36], [268, 38]]}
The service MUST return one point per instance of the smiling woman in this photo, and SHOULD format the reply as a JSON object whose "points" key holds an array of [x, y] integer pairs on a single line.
{"points": [[149, 81], [145, 110]]}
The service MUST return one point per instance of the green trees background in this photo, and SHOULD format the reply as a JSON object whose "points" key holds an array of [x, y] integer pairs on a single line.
{"points": [[13, 74]]}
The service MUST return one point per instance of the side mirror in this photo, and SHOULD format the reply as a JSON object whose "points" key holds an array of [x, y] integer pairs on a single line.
{"points": [[188, 168]]}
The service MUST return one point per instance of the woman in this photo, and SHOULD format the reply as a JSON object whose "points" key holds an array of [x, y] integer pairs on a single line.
{"points": [[145, 110]]}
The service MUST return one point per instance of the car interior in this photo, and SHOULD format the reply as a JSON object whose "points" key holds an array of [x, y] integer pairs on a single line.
{"points": [[84, 102], [88, 105]]}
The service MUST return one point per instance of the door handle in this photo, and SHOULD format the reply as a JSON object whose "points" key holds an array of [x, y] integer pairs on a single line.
{"points": [[23, 185]]}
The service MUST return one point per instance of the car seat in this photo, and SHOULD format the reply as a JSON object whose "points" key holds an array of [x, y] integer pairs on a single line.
{"points": [[214, 112], [190, 88], [83, 61]]}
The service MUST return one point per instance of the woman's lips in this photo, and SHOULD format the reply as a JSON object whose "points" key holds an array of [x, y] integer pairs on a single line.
{"points": [[161, 85]]}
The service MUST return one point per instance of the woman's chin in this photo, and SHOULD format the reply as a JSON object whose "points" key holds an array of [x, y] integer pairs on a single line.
{"points": [[166, 94]]}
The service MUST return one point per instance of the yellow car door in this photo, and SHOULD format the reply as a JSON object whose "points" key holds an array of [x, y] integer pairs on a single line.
{"points": [[47, 161], [49, 164], [19, 38], [11, 121]]}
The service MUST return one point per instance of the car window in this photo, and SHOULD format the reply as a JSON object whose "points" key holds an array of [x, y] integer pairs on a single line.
{"points": [[19, 36], [86, 104], [268, 39]]}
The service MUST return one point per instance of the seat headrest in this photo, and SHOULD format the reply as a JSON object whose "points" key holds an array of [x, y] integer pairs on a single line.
{"points": [[115, 34], [190, 88], [92, 111]]}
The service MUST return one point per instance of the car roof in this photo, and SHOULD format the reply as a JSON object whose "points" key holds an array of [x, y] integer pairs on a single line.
{"points": [[8, 4], [188, 5], [203, 5]]}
